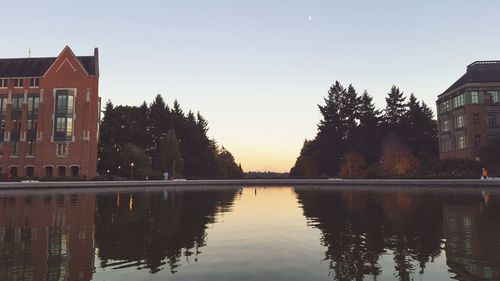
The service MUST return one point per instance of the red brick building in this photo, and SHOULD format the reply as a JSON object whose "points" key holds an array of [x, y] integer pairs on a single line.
{"points": [[49, 114]]}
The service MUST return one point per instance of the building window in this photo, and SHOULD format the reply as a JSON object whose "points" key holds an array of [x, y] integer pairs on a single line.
{"points": [[3, 105], [63, 127], [34, 82], [16, 130], [32, 124], [477, 140], [62, 149], [64, 102], [18, 82], [3, 110], [444, 106], [459, 121], [460, 142], [17, 103], [492, 96], [30, 149], [30, 171], [33, 105], [476, 118], [445, 145], [49, 172], [13, 172], [2, 129], [61, 171], [445, 126], [31, 129], [458, 101], [14, 149], [75, 171], [492, 119], [474, 97], [4, 83]]}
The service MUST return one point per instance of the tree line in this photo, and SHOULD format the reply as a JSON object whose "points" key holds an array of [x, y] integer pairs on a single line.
{"points": [[145, 141], [355, 139]]}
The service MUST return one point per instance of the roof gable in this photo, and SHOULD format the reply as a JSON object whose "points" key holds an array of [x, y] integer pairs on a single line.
{"points": [[66, 56]]}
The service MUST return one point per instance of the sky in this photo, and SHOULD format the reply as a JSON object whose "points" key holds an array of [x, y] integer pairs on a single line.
{"points": [[256, 70]]}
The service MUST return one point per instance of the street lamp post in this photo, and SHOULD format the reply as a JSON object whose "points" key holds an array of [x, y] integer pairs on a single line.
{"points": [[132, 170]]}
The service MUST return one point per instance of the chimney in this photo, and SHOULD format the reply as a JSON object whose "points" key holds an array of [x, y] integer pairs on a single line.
{"points": [[96, 61]]}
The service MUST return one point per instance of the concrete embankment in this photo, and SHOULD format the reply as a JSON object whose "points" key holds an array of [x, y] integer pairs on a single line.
{"points": [[298, 183]]}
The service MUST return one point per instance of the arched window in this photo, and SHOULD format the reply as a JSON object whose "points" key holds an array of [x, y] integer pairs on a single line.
{"points": [[75, 171], [61, 171], [49, 171], [13, 172], [30, 171]]}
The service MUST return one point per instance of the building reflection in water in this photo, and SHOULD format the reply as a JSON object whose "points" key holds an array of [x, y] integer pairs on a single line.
{"points": [[358, 228], [472, 241], [47, 237], [52, 236], [155, 230]]}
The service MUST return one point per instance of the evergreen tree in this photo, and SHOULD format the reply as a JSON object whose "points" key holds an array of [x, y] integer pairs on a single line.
{"points": [[349, 105], [226, 166], [159, 132], [395, 108], [160, 119], [367, 134], [420, 130], [168, 155], [307, 164], [351, 125], [332, 132], [202, 123]]}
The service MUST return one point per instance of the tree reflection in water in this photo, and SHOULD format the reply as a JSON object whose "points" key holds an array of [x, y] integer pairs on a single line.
{"points": [[54, 235], [155, 231], [358, 227]]}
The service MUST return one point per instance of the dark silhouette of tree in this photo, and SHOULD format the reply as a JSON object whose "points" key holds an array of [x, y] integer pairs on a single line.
{"points": [[349, 112], [367, 134], [307, 164], [160, 131], [352, 126], [168, 154], [420, 130], [128, 154], [332, 131], [225, 165], [395, 108]]}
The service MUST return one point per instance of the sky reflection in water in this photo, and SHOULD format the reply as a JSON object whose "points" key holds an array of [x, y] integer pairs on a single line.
{"points": [[249, 234]]}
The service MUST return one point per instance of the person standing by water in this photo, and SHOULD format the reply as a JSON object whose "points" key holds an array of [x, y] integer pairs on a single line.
{"points": [[165, 175], [484, 174]]}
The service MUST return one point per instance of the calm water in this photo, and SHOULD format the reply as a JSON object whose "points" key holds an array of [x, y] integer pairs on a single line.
{"points": [[249, 234]]}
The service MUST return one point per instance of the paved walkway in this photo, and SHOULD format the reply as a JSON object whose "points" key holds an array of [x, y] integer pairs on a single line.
{"points": [[201, 184]]}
